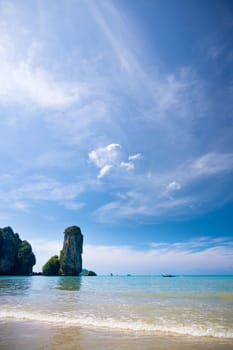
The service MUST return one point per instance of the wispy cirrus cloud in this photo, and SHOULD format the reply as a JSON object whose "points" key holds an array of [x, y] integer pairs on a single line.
{"points": [[28, 84], [212, 163], [170, 193], [161, 97], [116, 29], [22, 196], [55, 159]]}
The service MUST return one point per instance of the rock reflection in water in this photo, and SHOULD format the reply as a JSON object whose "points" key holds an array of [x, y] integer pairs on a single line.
{"points": [[14, 285], [69, 283]]}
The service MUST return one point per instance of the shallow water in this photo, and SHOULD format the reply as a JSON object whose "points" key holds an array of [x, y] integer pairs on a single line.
{"points": [[137, 305], [21, 335]]}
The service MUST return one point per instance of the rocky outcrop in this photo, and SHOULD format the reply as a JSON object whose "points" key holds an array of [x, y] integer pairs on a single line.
{"points": [[71, 254], [16, 256], [89, 273], [52, 267], [9, 243]]}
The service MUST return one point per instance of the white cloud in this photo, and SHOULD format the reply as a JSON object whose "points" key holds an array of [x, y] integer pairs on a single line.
{"points": [[72, 205], [130, 164], [103, 171], [21, 197], [24, 84], [212, 163], [136, 205], [127, 165], [27, 83], [135, 157], [49, 189], [167, 92], [202, 255], [105, 158], [54, 159], [162, 97], [82, 125], [116, 29], [105, 155], [173, 186], [178, 258], [159, 194], [21, 206], [109, 157]]}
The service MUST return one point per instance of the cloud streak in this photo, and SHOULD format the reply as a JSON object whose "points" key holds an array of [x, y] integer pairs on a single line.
{"points": [[204, 255], [39, 189], [27, 84], [170, 193], [179, 258]]}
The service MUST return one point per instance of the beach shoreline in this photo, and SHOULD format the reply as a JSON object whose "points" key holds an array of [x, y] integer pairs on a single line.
{"points": [[34, 335]]}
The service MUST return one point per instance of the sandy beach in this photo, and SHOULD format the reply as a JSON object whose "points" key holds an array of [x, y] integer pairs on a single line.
{"points": [[20, 335]]}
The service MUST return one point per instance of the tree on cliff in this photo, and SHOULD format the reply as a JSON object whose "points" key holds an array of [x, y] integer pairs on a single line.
{"points": [[51, 268]]}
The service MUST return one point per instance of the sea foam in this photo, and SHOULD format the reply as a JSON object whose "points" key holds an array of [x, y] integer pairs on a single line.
{"points": [[114, 324]]}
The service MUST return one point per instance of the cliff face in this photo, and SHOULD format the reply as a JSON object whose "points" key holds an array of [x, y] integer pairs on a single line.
{"points": [[9, 243], [16, 256], [71, 254]]}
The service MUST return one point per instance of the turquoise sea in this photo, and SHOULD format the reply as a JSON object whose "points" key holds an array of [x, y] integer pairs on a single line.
{"points": [[199, 306]]}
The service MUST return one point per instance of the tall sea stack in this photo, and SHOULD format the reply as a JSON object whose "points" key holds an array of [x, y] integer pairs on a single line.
{"points": [[71, 254]]}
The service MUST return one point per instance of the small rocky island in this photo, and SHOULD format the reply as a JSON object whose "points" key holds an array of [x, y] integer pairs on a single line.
{"points": [[70, 261], [16, 256]]}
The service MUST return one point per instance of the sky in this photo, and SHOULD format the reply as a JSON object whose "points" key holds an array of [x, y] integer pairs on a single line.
{"points": [[117, 116]]}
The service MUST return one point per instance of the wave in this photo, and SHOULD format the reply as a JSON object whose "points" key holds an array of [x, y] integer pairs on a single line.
{"points": [[113, 324]]}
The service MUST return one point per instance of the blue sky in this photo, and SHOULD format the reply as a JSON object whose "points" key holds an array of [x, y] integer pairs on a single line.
{"points": [[117, 116]]}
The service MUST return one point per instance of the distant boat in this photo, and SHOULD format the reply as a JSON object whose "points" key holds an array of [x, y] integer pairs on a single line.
{"points": [[166, 275]]}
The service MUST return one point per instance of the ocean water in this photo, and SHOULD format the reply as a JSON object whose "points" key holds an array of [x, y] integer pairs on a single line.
{"points": [[197, 306]]}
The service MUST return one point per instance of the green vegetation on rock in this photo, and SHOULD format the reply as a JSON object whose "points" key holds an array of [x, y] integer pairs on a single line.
{"points": [[72, 230], [25, 259], [16, 256], [51, 268]]}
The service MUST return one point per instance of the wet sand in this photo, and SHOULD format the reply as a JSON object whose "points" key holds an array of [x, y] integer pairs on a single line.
{"points": [[20, 335]]}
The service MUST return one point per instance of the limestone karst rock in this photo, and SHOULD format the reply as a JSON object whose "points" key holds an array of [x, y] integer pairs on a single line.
{"points": [[71, 254], [16, 256]]}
